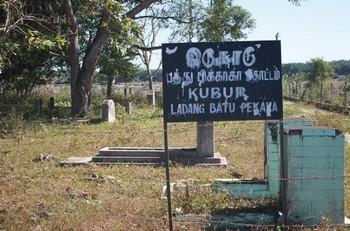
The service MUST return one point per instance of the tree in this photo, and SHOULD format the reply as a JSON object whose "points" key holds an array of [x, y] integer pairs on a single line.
{"points": [[225, 21], [190, 13], [218, 21], [341, 67], [293, 69], [320, 71], [111, 18], [29, 51], [84, 30], [148, 38], [26, 70], [45, 23], [158, 17], [116, 64]]}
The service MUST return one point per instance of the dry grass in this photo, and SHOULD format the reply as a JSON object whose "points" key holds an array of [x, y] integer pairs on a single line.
{"points": [[44, 196]]}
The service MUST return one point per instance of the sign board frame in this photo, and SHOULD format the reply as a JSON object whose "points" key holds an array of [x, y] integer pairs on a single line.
{"points": [[221, 81]]}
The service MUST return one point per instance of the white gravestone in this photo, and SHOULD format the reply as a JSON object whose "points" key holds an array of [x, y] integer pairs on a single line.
{"points": [[151, 99], [108, 111], [205, 139]]}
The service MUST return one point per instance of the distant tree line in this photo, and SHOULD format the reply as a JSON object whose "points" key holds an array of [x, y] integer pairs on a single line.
{"points": [[142, 75], [341, 67], [312, 81]]}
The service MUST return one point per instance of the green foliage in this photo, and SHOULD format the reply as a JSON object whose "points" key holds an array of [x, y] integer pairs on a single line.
{"points": [[30, 47], [12, 123], [320, 70], [27, 67], [33, 39], [138, 99], [188, 15], [292, 69], [116, 60], [219, 21], [225, 21], [141, 75], [341, 67]]}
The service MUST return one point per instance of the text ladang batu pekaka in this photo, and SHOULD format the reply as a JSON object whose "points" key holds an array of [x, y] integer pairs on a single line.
{"points": [[222, 81]]}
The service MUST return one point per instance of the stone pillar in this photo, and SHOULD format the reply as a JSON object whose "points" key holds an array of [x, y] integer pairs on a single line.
{"points": [[52, 103], [38, 105], [157, 95], [331, 94], [125, 92], [205, 139], [151, 100], [108, 111], [128, 107]]}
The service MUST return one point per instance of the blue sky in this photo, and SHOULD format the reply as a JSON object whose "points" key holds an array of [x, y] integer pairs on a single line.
{"points": [[315, 28]]}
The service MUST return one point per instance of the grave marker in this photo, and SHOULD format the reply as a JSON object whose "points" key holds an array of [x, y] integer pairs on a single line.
{"points": [[108, 111], [52, 103], [151, 99], [38, 105], [128, 108], [205, 139]]}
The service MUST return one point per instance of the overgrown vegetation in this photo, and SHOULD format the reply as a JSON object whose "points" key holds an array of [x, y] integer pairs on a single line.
{"points": [[36, 193]]}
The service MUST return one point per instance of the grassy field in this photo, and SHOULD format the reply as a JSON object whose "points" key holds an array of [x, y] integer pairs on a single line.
{"points": [[41, 195]]}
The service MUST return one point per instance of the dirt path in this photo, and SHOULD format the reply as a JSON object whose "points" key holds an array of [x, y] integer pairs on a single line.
{"points": [[310, 111], [307, 111]]}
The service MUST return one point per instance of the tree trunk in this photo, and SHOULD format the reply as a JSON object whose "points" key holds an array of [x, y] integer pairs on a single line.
{"points": [[109, 88], [321, 92], [73, 57], [150, 78], [81, 77], [346, 92]]}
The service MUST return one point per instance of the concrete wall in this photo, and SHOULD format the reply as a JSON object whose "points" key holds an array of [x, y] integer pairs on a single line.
{"points": [[315, 169]]}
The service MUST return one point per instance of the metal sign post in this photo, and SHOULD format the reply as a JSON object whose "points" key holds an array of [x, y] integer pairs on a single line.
{"points": [[220, 81], [167, 175], [283, 175]]}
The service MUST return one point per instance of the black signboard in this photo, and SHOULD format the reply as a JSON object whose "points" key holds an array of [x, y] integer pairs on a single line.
{"points": [[222, 81]]}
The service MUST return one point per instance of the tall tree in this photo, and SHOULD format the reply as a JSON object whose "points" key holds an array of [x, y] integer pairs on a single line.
{"points": [[30, 48], [116, 64], [220, 20], [320, 71], [148, 38], [45, 23], [111, 18], [225, 21], [86, 29]]}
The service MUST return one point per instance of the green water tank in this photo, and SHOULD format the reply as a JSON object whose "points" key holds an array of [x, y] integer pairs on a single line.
{"points": [[314, 168], [272, 150]]}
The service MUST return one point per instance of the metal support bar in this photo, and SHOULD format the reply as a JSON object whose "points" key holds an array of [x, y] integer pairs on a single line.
{"points": [[167, 175], [283, 173]]}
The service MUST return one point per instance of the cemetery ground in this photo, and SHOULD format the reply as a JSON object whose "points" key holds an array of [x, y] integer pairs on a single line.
{"points": [[36, 193]]}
